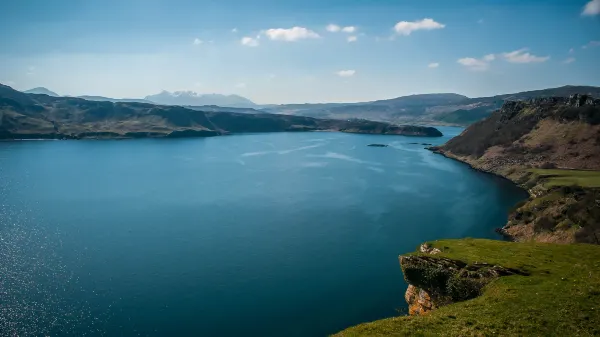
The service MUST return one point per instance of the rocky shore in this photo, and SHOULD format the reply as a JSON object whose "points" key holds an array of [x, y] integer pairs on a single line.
{"points": [[523, 142]]}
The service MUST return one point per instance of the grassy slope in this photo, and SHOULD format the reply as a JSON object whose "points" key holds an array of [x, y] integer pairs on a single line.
{"points": [[557, 177], [561, 297]]}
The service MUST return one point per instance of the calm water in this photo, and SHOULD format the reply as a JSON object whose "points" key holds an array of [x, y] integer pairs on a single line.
{"points": [[283, 234]]}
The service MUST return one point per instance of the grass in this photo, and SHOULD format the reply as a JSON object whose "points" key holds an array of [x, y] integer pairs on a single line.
{"points": [[557, 177], [560, 297]]}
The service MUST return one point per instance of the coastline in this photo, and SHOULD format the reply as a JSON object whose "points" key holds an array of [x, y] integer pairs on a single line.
{"points": [[442, 153], [194, 134], [499, 230]]}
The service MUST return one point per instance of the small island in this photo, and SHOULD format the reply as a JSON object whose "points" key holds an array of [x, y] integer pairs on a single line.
{"points": [[378, 145]]}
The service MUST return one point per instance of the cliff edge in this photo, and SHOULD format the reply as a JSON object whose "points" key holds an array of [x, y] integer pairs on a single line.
{"points": [[496, 288]]}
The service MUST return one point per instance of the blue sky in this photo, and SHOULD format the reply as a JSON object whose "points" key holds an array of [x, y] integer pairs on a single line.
{"points": [[339, 51]]}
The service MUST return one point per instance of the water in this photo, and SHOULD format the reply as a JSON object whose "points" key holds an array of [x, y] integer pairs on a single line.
{"points": [[282, 234]]}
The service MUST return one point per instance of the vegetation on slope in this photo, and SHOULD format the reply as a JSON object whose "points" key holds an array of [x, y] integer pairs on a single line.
{"points": [[24, 116], [559, 297], [429, 109], [528, 142], [557, 177]]}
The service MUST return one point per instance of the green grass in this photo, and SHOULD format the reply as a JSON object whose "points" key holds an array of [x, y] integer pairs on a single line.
{"points": [[560, 297], [556, 177]]}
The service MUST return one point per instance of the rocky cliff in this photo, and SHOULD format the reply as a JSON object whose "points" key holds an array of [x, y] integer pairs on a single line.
{"points": [[548, 146], [497, 288], [437, 281], [29, 116]]}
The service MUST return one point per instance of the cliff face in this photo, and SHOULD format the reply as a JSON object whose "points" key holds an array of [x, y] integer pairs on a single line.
{"points": [[538, 144], [437, 281], [24, 116], [554, 131]]}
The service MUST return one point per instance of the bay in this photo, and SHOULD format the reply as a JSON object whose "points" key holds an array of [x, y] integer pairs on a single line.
{"points": [[280, 234]]}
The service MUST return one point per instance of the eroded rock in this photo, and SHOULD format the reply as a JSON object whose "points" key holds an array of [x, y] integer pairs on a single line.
{"points": [[437, 281]]}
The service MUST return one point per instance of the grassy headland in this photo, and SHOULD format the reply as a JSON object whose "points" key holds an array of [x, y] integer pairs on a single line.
{"points": [[559, 297]]}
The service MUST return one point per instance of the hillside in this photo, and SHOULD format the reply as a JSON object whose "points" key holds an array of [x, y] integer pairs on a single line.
{"points": [[28, 116], [398, 109], [431, 109], [495, 288], [551, 147]]}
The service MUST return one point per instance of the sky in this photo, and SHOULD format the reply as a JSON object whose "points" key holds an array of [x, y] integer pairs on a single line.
{"points": [[274, 51]]}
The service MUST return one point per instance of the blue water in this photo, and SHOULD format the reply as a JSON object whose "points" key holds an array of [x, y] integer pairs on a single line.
{"points": [[281, 234]]}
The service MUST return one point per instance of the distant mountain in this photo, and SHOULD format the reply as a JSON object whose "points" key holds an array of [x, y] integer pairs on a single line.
{"points": [[28, 116], [190, 98], [421, 100], [41, 91], [404, 109], [432, 109], [108, 99]]}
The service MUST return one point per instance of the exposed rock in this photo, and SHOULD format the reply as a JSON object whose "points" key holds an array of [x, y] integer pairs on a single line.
{"points": [[419, 301], [437, 281], [428, 249]]}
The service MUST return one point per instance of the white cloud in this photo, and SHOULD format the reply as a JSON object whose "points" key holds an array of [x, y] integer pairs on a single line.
{"points": [[475, 64], [30, 70], [571, 51], [346, 73], [248, 41], [240, 85], [489, 57], [271, 76], [406, 27], [352, 38], [349, 29], [480, 21], [569, 60], [522, 56], [197, 42], [333, 28], [591, 44], [234, 30], [433, 65], [592, 8], [291, 34]]}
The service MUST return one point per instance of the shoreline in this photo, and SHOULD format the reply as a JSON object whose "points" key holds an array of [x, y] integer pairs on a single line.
{"points": [[167, 136], [499, 230]]}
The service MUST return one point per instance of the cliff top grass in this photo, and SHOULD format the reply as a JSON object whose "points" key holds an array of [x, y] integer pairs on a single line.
{"points": [[560, 297], [557, 177]]}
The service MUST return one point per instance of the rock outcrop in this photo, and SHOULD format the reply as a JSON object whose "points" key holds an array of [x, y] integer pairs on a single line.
{"points": [[438, 281]]}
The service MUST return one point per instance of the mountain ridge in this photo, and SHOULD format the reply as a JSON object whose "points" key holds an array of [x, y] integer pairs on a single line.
{"points": [[420, 109], [29, 116]]}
